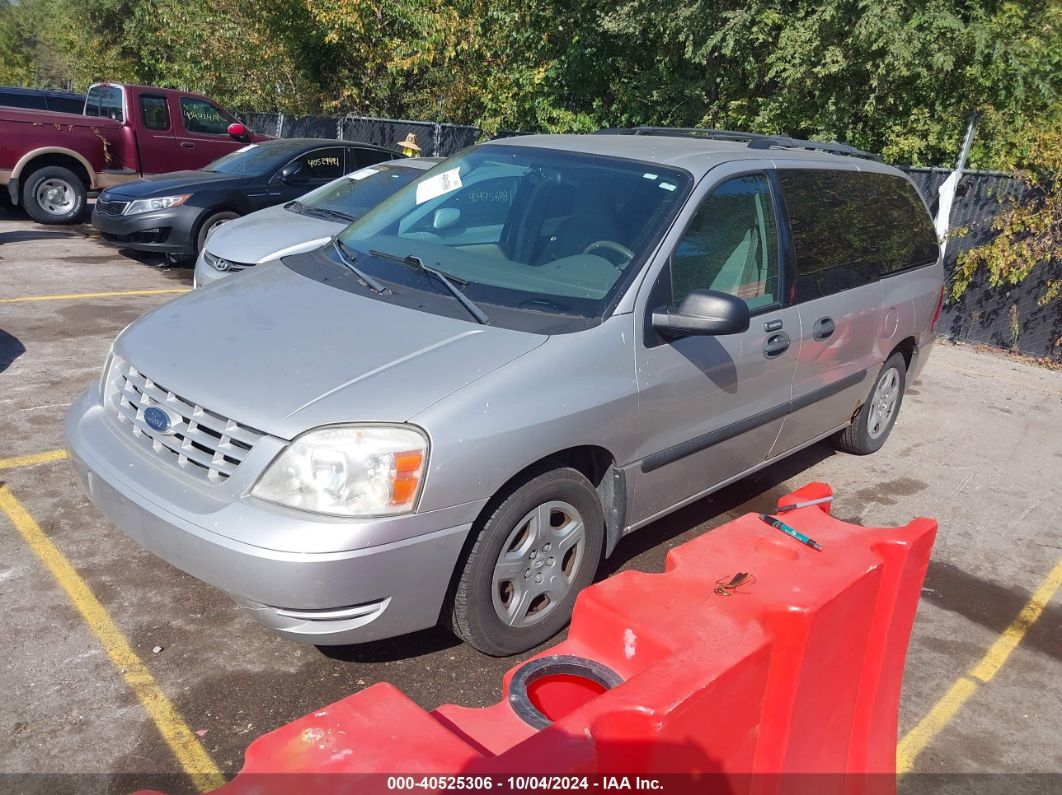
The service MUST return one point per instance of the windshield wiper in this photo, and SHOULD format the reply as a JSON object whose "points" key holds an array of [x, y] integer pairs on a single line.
{"points": [[348, 259], [327, 213], [448, 280]]}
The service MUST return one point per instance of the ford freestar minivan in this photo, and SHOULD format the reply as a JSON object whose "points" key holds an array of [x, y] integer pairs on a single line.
{"points": [[459, 405]]}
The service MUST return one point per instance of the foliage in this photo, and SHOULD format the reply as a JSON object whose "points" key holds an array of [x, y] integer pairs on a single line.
{"points": [[1027, 235], [895, 76]]}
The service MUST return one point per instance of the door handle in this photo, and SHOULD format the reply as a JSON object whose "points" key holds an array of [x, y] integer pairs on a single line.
{"points": [[776, 345], [187, 145], [823, 329]]}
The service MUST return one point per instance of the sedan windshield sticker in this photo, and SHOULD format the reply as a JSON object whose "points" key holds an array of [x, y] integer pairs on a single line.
{"points": [[667, 186], [365, 172], [438, 185]]}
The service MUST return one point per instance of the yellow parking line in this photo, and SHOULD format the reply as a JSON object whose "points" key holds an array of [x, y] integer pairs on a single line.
{"points": [[916, 740], [192, 757], [30, 460], [75, 296]]}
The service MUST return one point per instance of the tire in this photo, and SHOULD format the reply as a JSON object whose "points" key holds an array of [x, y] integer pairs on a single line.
{"points": [[54, 195], [877, 416], [484, 590], [204, 228]]}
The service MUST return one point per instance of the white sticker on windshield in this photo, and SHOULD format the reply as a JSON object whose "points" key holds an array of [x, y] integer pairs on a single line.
{"points": [[649, 176], [363, 173], [438, 185], [248, 147], [667, 186]]}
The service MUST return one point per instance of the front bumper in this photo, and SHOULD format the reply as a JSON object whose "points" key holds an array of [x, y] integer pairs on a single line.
{"points": [[336, 597], [166, 231], [204, 274]]}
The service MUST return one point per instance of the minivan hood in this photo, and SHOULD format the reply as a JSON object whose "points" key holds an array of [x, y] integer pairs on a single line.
{"points": [[269, 233], [157, 185], [282, 353]]}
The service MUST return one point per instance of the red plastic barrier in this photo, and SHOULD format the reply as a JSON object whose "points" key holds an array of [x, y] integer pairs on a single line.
{"points": [[796, 672]]}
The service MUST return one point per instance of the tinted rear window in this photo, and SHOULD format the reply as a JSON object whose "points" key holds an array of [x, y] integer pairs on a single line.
{"points": [[18, 100], [850, 228], [66, 104], [105, 101]]}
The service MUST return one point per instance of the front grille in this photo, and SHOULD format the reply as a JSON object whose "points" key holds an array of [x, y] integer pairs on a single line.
{"points": [[223, 265], [202, 443], [104, 207]]}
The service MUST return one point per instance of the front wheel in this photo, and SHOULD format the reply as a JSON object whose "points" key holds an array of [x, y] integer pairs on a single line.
{"points": [[54, 195], [875, 419], [209, 225], [531, 557]]}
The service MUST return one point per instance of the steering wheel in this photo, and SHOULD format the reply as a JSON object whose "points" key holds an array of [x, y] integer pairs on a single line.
{"points": [[610, 245]]}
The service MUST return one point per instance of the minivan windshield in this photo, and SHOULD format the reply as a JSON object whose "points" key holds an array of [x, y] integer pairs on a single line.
{"points": [[523, 228], [353, 195]]}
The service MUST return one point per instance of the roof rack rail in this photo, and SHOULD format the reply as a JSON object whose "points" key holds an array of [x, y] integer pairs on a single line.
{"points": [[753, 140]]}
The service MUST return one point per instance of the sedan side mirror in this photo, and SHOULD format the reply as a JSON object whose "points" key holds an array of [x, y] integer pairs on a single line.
{"points": [[239, 132], [703, 313], [289, 175]]}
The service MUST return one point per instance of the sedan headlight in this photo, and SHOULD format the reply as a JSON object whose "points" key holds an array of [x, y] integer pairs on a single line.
{"points": [[349, 470], [162, 203]]}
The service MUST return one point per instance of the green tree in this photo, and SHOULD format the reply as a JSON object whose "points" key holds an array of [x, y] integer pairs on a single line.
{"points": [[1028, 235]]}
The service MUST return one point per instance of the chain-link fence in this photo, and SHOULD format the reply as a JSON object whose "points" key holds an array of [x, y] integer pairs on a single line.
{"points": [[1004, 317], [433, 138]]}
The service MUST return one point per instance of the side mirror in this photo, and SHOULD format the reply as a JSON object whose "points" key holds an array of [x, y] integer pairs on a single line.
{"points": [[239, 132], [703, 313], [289, 175]]}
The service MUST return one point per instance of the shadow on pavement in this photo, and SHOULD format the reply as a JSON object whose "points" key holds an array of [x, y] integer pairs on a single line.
{"points": [[416, 644], [23, 235], [758, 493], [10, 349]]}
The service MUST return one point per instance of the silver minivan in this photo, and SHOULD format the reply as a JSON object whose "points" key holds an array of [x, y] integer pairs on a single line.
{"points": [[459, 406]]}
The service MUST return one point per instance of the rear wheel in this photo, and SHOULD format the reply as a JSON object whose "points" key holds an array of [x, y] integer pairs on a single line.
{"points": [[532, 556], [875, 420], [54, 195], [212, 222]]}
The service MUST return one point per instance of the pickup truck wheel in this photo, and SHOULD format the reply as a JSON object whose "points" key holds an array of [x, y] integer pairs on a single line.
{"points": [[205, 228], [532, 555], [54, 195]]}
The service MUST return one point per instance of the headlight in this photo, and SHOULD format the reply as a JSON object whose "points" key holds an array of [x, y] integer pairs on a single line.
{"points": [[349, 470], [163, 203]]}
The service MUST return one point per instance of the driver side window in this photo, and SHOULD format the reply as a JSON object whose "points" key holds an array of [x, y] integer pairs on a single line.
{"points": [[731, 245]]}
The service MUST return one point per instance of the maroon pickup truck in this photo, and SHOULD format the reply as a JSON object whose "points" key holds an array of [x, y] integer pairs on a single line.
{"points": [[50, 161]]}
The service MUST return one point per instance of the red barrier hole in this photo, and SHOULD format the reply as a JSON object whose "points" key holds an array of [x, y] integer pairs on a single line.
{"points": [[556, 695], [545, 690]]}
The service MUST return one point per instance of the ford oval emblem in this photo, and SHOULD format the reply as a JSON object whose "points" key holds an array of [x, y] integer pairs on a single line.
{"points": [[157, 419]]}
